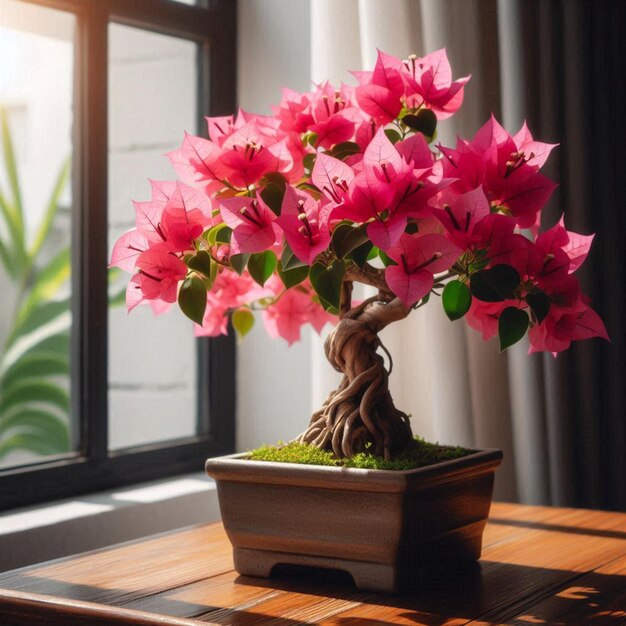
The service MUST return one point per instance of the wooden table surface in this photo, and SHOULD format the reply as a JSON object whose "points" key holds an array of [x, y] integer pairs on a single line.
{"points": [[540, 565]]}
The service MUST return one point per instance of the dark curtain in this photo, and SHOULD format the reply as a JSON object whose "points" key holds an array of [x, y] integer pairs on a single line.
{"points": [[575, 94]]}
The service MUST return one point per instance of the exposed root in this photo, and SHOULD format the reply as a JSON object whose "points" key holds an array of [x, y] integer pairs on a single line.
{"points": [[360, 411]]}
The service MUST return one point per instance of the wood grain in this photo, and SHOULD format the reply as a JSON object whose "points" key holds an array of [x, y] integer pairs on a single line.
{"points": [[540, 565]]}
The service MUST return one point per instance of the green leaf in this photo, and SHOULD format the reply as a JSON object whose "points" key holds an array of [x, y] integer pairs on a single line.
{"points": [[36, 365], [261, 266], [539, 302], [393, 135], [219, 234], [387, 261], [48, 282], [343, 150], [361, 254], [202, 262], [38, 316], [11, 170], [327, 282], [57, 344], [309, 138], [512, 326], [192, 298], [30, 390], [15, 244], [288, 260], [32, 443], [456, 299], [51, 210], [424, 121], [309, 161], [347, 238], [238, 262], [273, 191], [311, 189], [496, 284], [39, 423], [243, 321], [294, 276]]}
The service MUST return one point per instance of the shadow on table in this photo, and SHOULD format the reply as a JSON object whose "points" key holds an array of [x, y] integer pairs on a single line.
{"points": [[495, 592], [503, 592]]}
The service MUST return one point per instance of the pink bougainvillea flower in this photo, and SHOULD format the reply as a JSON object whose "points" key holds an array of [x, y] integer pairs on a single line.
{"points": [[292, 309], [294, 111], [461, 213], [509, 177], [126, 250], [250, 152], [561, 327], [429, 84], [333, 116], [253, 223], [220, 128], [198, 162], [159, 274], [304, 222], [185, 216], [332, 177], [574, 245], [484, 316], [418, 258], [389, 189], [380, 92], [536, 153]]}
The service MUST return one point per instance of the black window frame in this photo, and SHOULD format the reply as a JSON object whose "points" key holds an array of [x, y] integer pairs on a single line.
{"points": [[94, 467]]}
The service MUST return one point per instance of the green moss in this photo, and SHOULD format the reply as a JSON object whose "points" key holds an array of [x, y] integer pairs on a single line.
{"points": [[420, 454]]}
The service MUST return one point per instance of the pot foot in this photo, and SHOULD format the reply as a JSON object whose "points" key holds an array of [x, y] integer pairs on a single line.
{"points": [[376, 577]]}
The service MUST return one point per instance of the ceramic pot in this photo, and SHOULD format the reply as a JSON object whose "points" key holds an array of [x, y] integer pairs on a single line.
{"points": [[383, 527]]}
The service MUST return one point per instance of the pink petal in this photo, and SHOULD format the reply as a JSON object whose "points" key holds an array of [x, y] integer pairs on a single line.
{"points": [[328, 173], [378, 102], [408, 287], [589, 324], [126, 250]]}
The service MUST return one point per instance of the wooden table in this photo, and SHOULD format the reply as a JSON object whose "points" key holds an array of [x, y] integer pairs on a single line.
{"points": [[540, 565]]}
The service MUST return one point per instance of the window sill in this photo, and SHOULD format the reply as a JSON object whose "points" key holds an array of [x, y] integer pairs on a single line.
{"points": [[40, 533]]}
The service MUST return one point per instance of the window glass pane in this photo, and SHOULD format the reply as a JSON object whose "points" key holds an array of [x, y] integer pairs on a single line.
{"points": [[152, 358], [36, 111]]}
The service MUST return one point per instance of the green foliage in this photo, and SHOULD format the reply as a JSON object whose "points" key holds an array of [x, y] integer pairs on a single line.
{"points": [[420, 454], [424, 121], [34, 360], [496, 284], [343, 150], [243, 321], [327, 281], [539, 302], [192, 298], [261, 266], [512, 326], [457, 299], [347, 238]]}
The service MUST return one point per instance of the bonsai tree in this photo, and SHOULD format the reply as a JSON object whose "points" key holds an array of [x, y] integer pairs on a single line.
{"points": [[283, 214]]}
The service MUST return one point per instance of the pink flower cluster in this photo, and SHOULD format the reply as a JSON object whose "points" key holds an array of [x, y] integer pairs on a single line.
{"points": [[255, 222]]}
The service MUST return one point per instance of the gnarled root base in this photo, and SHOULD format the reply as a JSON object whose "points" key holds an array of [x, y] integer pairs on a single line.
{"points": [[360, 411]]}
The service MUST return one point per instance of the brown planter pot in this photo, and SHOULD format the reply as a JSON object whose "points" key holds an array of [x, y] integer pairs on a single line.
{"points": [[382, 527]]}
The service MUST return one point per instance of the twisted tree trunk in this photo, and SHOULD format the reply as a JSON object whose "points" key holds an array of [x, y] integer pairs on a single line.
{"points": [[360, 411]]}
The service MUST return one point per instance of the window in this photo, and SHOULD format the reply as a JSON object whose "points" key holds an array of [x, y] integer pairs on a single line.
{"points": [[92, 94]]}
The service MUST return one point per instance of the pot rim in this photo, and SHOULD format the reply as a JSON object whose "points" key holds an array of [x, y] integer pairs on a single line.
{"points": [[235, 467]]}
